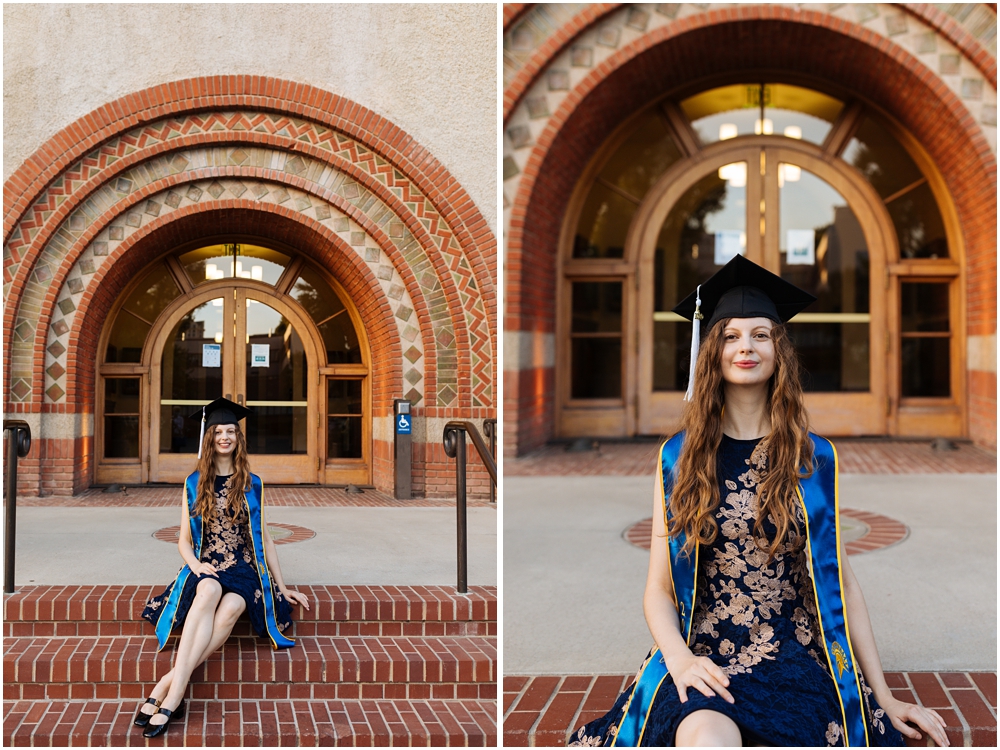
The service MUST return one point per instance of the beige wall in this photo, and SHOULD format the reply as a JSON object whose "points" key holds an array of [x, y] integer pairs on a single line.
{"points": [[430, 69]]}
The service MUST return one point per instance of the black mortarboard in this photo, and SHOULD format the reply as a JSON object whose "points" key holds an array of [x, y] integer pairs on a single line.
{"points": [[220, 411], [740, 289]]}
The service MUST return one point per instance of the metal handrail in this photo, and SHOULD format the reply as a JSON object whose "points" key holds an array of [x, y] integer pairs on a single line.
{"points": [[454, 447], [490, 428], [18, 444]]}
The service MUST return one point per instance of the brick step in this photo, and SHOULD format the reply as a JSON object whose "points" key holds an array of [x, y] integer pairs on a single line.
{"points": [[544, 710], [259, 723], [113, 628], [45, 606], [314, 659]]}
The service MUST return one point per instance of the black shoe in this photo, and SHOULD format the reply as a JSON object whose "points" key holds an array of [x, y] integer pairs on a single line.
{"points": [[155, 730], [142, 718]]}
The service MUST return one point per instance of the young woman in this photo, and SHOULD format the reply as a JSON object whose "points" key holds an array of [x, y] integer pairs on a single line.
{"points": [[749, 592], [230, 565]]}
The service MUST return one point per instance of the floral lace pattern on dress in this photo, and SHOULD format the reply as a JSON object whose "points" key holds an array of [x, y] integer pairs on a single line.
{"points": [[225, 536], [741, 587]]}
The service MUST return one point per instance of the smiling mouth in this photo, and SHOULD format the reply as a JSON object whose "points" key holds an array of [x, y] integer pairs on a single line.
{"points": [[746, 364]]}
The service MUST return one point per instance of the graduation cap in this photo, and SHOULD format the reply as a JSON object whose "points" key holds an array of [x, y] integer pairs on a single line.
{"points": [[740, 289], [220, 411]]}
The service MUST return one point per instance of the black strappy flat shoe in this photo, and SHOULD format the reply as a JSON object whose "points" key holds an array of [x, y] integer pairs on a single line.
{"points": [[142, 719], [155, 730]]}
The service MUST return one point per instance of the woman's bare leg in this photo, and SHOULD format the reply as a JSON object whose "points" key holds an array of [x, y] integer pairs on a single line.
{"points": [[228, 612], [195, 637], [708, 729]]}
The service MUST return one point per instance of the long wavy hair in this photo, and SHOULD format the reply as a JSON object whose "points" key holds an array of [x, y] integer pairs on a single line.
{"points": [[237, 482], [695, 495]]}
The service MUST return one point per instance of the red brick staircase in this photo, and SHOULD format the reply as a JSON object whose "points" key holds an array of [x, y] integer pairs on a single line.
{"points": [[372, 666]]}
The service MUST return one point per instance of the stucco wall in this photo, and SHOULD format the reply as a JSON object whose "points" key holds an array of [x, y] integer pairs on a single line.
{"points": [[430, 69]]}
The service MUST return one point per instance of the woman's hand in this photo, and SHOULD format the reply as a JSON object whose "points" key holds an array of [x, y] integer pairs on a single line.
{"points": [[702, 674], [205, 569], [294, 597], [899, 713]]}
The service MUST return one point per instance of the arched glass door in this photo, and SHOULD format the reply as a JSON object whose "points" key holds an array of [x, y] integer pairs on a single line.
{"points": [[257, 325], [245, 345], [798, 224]]}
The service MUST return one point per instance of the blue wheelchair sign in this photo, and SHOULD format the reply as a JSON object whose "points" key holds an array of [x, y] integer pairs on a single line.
{"points": [[404, 424]]}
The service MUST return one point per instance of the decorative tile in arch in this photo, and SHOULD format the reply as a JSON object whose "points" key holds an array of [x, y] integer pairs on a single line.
{"points": [[148, 136], [192, 193], [619, 29]]}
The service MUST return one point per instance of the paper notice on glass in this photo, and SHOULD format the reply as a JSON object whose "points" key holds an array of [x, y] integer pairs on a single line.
{"points": [[260, 355], [801, 247], [211, 355], [727, 246]]}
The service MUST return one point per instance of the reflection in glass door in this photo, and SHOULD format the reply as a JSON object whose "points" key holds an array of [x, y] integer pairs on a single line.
{"points": [[276, 383], [704, 230], [191, 374], [824, 251]]}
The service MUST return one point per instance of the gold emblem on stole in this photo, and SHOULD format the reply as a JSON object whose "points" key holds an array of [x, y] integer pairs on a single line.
{"points": [[840, 658]]}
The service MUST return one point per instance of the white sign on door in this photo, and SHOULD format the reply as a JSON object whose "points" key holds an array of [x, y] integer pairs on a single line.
{"points": [[728, 245], [801, 247], [260, 355], [211, 355]]}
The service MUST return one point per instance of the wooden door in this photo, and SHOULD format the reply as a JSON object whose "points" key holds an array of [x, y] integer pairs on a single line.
{"points": [[758, 192], [241, 341]]}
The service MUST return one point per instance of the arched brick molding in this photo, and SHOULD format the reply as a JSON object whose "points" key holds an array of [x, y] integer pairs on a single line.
{"points": [[549, 151], [262, 158], [513, 11], [520, 72]]}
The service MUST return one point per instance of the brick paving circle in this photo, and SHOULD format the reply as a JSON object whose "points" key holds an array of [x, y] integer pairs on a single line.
{"points": [[861, 531], [282, 533]]}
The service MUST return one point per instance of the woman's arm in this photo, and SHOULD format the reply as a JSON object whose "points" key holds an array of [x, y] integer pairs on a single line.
{"points": [[271, 555], [687, 670], [186, 548], [865, 651]]}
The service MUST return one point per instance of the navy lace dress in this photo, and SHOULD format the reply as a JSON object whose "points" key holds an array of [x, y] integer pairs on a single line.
{"points": [[756, 620], [227, 546]]}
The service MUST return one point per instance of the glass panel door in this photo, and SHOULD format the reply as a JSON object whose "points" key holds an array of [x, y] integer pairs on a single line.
{"points": [[245, 346], [704, 230], [191, 374], [276, 383], [824, 251]]}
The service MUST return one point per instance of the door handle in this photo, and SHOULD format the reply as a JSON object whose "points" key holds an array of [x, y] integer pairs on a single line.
{"points": [[239, 399], [229, 397]]}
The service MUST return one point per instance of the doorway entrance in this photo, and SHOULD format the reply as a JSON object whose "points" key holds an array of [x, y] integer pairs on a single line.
{"points": [[245, 344], [793, 213], [821, 192], [257, 325]]}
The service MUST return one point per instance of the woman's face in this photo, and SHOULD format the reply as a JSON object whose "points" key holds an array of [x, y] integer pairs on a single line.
{"points": [[748, 351], [225, 438]]}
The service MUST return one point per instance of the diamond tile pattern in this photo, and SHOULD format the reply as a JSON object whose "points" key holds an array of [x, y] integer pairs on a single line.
{"points": [[424, 239]]}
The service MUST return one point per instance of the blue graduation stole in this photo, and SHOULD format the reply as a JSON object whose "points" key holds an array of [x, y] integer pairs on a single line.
{"points": [[252, 496], [820, 505]]}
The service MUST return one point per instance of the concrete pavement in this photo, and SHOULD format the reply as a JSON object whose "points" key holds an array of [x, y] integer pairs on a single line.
{"points": [[572, 594], [376, 546]]}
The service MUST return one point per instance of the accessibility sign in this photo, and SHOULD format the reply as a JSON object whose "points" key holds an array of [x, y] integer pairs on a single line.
{"points": [[404, 424]]}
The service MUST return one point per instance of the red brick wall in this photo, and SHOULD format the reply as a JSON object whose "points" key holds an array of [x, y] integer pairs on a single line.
{"points": [[67, 464], [725, 46]]}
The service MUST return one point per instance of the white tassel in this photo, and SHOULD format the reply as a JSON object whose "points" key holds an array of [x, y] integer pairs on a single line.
{"points": [[201, 437], [695, 343]]}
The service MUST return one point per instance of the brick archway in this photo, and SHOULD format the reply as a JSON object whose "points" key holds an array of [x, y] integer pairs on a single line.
{"points": [[556, 147], [258, 157]]}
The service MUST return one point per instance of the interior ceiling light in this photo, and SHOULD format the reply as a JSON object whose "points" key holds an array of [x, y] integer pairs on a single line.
{"points": [[735, 174]]}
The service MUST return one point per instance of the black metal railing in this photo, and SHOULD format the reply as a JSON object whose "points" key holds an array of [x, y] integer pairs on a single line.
{"points": [[454, 447], [18, 444], [490, 428]]}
